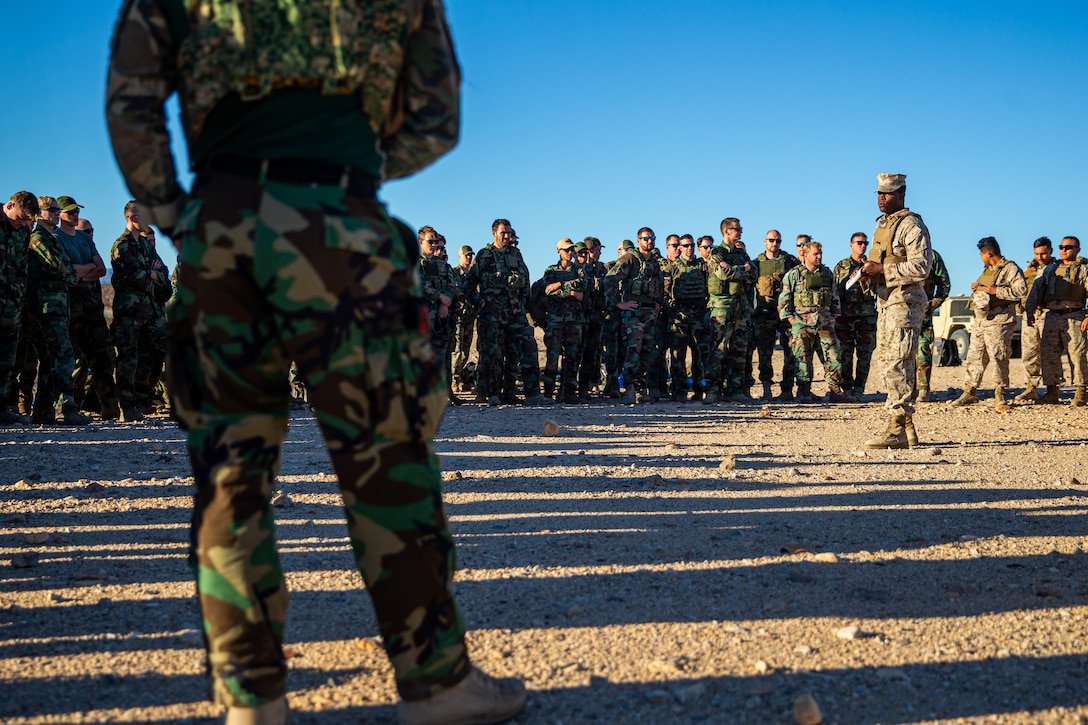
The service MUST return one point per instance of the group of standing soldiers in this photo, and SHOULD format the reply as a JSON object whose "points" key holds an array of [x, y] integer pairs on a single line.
{"points": [[58, 355], [683, 326]]}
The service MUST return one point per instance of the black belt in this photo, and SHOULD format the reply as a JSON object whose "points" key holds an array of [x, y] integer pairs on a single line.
{"points": [[298, 172]]}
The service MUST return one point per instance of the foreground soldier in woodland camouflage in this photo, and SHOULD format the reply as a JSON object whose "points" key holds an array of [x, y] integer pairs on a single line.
{"points": [[937, 286], [287, 254]]}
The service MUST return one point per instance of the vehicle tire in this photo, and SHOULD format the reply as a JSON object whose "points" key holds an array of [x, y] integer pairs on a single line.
{"points": [[962, 340], [949, 357]]}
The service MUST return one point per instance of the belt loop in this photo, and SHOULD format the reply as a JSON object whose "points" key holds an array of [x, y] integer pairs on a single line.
{"points": [[262, 175], [345, 177]]}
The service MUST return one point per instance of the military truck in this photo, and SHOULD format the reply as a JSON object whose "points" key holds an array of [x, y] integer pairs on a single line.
{"points": [[952, 323]]}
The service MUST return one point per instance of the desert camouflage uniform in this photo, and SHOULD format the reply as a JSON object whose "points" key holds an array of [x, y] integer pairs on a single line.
{"points": [[767, 327], [589, 368], [563, 329], [937, 285], [901, 304], [686, 288], [1061, 289], [50, 276], [13, 281], [465, 325], [138, 330], [1031, 334], [855, 327], [499, 280], [636, 278], [297, 260], [812, 300], [728, 320], [995, 321]]}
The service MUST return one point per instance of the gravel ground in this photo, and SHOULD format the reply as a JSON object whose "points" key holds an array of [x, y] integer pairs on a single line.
{"points": [[660, 563]]}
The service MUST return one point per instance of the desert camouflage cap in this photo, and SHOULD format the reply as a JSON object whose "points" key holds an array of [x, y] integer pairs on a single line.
{"points": [[48, 203], [564, 243], [887, 183]]}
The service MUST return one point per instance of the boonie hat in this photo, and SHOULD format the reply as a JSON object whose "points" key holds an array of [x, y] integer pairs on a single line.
{"points": [[888, 183], [67, 203]]}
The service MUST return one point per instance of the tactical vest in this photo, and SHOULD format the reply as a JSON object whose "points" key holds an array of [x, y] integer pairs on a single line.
{"points": [[881, 251], [643, 284], [251, 48], [816, 290], [988, 278], [771, 272], [1066, 285], [434, 270], [689, 282], [718, 287]]}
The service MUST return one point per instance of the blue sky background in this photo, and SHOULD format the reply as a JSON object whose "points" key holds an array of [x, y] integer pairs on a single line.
{"points": [[598, 118]]}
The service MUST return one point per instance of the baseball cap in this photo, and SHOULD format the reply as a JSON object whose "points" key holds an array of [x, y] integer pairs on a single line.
{"points": [[67, 203]]}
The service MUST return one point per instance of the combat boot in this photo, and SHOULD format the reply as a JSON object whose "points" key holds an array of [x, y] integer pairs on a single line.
{"points": [[628, 397], [549, 388], [1030, 396], [968, 397], [894, 437], [1078, 397], [804, 393], [612, 388], [10, 417], [923, 395], [68, 414], [131, 414], [25, 404], [836, 395], [1051, 397], [697, 393], [786, 396], [479, 698], [270, 713], [909, 431], [766, 392], [999, 397]]}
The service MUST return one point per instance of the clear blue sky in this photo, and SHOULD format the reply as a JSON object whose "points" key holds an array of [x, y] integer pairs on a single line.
{"points": [[598, 118]]}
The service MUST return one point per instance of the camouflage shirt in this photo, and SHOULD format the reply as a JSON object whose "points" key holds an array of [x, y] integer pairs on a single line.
{"points": [[50, 275], [594, 272], [13, 246], [135, 293], [635, 277], [859, 300], [415, 110], [499, 279], [562, 306], [938, 284], [810, 296]]}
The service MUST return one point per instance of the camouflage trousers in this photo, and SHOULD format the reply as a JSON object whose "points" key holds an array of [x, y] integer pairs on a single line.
{"points": [[589, 368], [272, 273], [684, 336], [462, 342], [657, 365], [767, 329], [637, 330], [725, 351], [897, 328], [9, 346], [612, 349], [1061, 333], [562, 338], [857, 340], [506, 345], [49, 337], [1029, 348], [141, 343], [94, 345], [803, 342], [989, 341]]}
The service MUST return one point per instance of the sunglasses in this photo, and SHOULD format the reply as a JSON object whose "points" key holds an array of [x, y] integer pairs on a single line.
{"points": [[686, 246], [1067, 247], [648, 239], [705, 246], [773, 241]]}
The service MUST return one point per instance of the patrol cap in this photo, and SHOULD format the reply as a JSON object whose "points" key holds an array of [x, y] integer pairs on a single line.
{"points": [[564, 243], [580, 247], [67, 203], [627, 244], [465, 249], [887, 183]]}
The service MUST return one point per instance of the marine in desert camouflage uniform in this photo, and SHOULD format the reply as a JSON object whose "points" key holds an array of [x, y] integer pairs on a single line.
{"points": [[1042, 256], [994, 298], [286, 254], [1062, 289]]}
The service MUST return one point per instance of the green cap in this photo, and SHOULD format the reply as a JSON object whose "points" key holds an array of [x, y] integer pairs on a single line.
{"points": [[627, 244], [465, 249], [67, 203], [579, 247]]}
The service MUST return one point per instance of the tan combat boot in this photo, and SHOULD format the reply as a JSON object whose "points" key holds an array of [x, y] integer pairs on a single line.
{"points": [[909, 431], [923, 395], [894, 437], [1051, 397], [1078, 397], [968, 397], [1030, 396], [999, 397], [479, 698]]}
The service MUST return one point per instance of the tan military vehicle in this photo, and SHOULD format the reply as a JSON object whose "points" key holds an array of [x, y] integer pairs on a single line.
{"points": [[952, 323]]}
